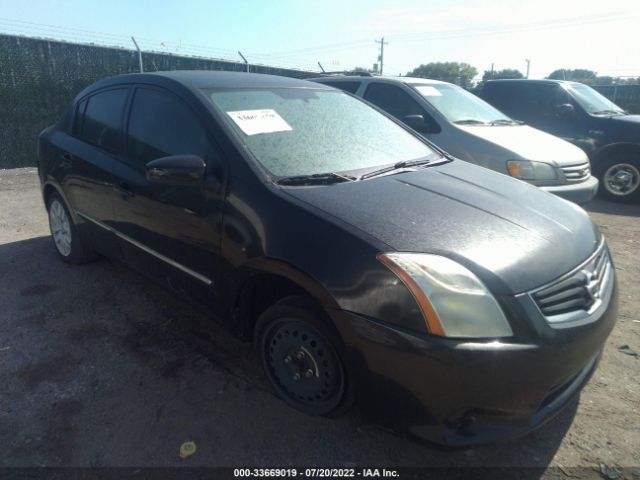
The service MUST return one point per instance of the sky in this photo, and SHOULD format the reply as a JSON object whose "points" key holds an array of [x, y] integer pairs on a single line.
{"points": [[597, 35]]}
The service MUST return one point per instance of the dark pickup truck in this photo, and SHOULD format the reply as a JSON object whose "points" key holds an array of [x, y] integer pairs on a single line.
{"points": [[577, 113]]}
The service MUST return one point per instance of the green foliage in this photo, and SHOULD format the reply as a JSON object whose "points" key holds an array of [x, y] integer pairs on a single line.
{"points": [[500, 74], [577, 74], [453, 72]]}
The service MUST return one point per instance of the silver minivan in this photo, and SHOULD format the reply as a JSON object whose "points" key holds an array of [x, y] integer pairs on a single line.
{"points": [[468, 128]]}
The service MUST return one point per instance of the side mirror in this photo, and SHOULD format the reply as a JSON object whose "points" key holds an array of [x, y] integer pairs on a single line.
{"points": [[176, 170], [414, 121], [420, 124], [565, 110]]}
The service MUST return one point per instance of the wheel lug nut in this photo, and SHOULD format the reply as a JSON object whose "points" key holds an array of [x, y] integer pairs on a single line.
{"points": [[300, 355], [287, 359], [308, 373], [296, 377]]}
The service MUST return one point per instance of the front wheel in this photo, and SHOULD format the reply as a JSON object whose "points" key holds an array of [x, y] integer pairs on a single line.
{"points": [[300, 356], [64, 233], [620, 178]]}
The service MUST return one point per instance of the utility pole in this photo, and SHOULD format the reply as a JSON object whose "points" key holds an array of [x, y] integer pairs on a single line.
{"points": [[528, 66], [244, 59], [139, 54], [381, 57], [491, 71], [321, 67]]}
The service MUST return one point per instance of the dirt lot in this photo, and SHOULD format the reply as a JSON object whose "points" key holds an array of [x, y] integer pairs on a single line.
{"points": [[99, 367]]}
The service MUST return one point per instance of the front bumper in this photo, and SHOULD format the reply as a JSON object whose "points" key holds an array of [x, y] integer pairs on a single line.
{"points": [[470, 392], [579, 193]]}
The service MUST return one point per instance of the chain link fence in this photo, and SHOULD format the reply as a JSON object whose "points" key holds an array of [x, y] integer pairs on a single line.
{"points": [[39, 78], [625, 96]]}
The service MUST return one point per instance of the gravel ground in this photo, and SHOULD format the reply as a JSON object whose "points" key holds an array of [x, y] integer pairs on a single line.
{"points": [[99, 367]]}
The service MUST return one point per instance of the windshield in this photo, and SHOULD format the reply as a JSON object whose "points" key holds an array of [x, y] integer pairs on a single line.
{"points": [[296, 131], [460, 106], [592, 101]]}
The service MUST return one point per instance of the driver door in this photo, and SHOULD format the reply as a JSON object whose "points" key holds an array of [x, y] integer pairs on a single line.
{"points": [[170, 232]]}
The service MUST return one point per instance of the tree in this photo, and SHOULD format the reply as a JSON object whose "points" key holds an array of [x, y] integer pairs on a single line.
{"points": [[499, 74], [577, 74], [453, 72]]}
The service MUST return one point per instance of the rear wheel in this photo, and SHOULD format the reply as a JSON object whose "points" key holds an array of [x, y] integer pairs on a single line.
{"points": [[300, 356], [620, 178], [64, 233]]}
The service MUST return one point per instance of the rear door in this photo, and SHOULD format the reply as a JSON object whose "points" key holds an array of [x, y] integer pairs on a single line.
{"points": [[171, 233], [90, 158]]}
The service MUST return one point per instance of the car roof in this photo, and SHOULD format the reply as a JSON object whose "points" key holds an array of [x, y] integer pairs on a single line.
{"points": [[527, 80], [199, 79], [359, 78]]}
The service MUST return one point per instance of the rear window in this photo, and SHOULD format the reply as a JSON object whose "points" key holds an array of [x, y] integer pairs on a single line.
{"points": [[103, 119]]}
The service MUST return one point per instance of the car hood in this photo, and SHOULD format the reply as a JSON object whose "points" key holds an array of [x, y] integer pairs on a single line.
{"points": [[514, 236], [529, 143], [626, 119]]}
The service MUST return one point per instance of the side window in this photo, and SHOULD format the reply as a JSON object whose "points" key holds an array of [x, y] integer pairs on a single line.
{"points": [[399, 103], [393, 100], [161, 125], [562, 96], [103, 118], [539, 100], [503, 96], [351, 87]]}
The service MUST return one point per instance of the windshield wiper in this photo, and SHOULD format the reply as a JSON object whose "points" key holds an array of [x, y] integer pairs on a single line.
{"points": [[397, 166], [470, 121], [315, 179], [609, 112], [506, 121]]}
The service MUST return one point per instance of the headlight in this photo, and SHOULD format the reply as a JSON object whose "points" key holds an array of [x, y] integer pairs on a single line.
{"points": [[528, 170], [453, 301]]}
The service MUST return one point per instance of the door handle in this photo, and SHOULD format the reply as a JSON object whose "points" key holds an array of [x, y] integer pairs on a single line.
{"points": [[67, 161], [124, 190]]}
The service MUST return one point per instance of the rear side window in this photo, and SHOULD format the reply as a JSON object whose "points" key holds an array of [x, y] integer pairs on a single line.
{"points": [[540, 100], [160, 125], [103, 118], [351, 87], [393, 100]]}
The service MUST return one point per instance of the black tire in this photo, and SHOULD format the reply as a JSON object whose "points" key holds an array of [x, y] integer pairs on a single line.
{"points": [[73, 250], [293, 339], [620, 178]]}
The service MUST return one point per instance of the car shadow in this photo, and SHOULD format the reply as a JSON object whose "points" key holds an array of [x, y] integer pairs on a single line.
{"points": [[603, 206], [105, 368]]}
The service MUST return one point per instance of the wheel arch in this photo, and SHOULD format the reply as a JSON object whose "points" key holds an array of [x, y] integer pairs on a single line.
{"points": [[50, 187], [613, 149], [265, 281]]}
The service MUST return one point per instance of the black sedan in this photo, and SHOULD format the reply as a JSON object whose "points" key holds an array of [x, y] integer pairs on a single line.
{"points": [[365, 264]]}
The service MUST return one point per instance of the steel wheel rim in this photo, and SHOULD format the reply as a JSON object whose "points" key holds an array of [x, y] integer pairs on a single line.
{"points": [[622, 179], [60, 228], [303, 366]]}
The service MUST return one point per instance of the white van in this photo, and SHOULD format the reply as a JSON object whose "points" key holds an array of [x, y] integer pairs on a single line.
{"points": [[470, 129]]}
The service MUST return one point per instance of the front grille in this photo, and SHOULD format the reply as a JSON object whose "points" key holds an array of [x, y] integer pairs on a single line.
{"points": [[581, 291], [576, 173]]}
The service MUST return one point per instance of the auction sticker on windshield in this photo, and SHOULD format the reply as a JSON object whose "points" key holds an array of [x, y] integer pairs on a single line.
{"points": [[429, 91], [254, 122]]}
